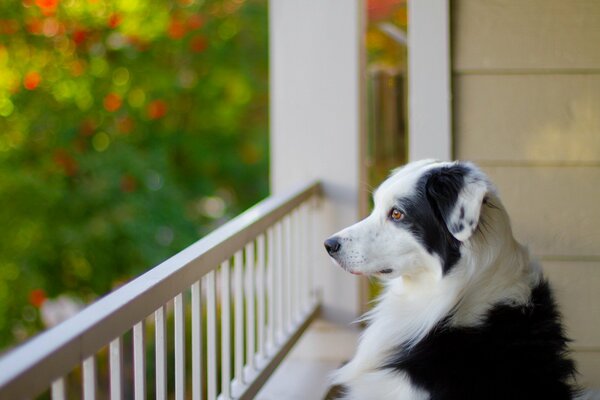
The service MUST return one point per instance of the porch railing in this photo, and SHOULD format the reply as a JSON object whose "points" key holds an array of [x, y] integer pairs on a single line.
{"points": [[248, 289]]}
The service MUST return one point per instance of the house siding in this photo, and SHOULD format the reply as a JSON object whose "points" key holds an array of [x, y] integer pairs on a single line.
{"points": [[526, 108]]}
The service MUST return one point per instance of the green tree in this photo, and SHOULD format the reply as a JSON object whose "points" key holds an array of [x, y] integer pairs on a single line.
{"points": [[128, 129]]}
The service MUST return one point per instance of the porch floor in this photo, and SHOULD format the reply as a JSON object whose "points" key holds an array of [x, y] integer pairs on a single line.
{"points": [[305, 371]]}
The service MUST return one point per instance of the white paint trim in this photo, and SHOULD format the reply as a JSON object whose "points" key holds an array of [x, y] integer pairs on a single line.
{"points": [[429, 104]]}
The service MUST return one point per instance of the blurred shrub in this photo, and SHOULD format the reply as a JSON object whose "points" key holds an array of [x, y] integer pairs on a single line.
{"points": [[128, 129]]}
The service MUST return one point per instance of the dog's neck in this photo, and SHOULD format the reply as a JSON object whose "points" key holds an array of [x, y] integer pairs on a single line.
{"points": [[506, 279], [496, 270]]}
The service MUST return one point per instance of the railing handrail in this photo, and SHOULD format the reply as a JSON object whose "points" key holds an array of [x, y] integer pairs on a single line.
{"points": [[55, 352]]}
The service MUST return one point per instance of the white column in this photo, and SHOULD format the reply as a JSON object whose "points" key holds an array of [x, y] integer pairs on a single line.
{"points": [[316, 56], [429, 103]]}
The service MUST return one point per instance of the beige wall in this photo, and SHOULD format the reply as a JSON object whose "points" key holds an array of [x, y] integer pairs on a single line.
{"points": [[526, 93]]}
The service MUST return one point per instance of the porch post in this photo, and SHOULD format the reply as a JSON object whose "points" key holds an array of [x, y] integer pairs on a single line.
{"points": [[429, 103], [317, 123]]}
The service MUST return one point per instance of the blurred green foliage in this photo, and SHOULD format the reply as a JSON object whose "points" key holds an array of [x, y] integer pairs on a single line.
{"points": [[128, 129]]}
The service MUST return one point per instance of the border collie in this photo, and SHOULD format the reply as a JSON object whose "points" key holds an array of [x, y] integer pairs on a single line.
{"points": [[465, 313]]}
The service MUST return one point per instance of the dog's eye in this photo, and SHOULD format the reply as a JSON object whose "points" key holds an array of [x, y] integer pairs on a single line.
{"points": [[396, 214]]}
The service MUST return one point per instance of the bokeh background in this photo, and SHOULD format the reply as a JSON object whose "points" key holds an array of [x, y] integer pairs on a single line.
{"points": [[128, 129]]}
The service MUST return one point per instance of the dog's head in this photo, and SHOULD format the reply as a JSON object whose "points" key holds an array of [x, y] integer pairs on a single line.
{"points": [[425, 214]]}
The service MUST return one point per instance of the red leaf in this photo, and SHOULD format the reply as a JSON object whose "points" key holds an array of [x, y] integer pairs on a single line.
{"points": [[157, 109], [32, 80], [34, 26], [79, 36], [48, 7], [112, 102], [114, 20], [176, 29], [37, 297]]}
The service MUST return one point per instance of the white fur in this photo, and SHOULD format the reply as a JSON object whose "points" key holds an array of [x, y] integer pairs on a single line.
{"points": [[493, 268]]}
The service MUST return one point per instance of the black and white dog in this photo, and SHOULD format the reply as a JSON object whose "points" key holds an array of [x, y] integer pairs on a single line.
{"points": [[465, 313]]}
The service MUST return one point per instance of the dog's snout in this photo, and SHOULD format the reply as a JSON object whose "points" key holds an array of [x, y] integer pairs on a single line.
{"points": [[332, 245]]}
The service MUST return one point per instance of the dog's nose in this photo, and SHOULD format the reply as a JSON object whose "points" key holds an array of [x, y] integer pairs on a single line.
{"points": [[332, 245]]}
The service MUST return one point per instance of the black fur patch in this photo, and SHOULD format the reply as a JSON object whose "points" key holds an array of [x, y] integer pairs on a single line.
{"points": [[519, 352], [436, 195], [336, 392]]}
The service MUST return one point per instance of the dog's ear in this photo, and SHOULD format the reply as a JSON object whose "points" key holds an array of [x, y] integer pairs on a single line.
{"points": [[457, 193]]}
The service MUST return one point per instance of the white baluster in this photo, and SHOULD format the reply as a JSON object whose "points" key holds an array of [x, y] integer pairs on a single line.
{"points": [[89, 378], [139, 360], [239, 316], [116, 367], [250, 303], [196, 341], [179, 347], [260, 289], [279, 278], [161, 353], [59, 389], [272, 325], [288, 274], [225, 330], [211, 336]]}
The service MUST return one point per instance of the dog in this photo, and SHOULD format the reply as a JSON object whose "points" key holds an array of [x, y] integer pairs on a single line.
{"points": [[465, 312]]}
